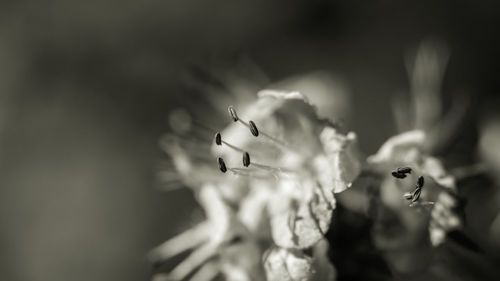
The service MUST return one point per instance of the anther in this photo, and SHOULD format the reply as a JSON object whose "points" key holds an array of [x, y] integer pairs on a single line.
{"points": [[253, 128], [408, 196], [398, 175], [420, 181], [416, 195], [246, 159], [404, 170], [222, 165], [218, 139], [232, 113]]}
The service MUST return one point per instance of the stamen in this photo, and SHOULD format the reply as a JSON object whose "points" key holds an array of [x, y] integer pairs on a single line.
{"points": [[218, 139], [408, 196], [398, 175], [420, 182], [404, 170], [246, 159], [246, 173], [222, 165], [253, 129], [266, 167], [416, 195], [232, 113]]}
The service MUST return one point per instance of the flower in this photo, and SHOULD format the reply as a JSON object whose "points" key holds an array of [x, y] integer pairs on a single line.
{"points": [[439, 192], [272, 179], [301, 159], [427, 132]]}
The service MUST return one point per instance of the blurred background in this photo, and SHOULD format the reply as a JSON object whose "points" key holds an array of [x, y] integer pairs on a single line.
{"points": [[86, 87]]}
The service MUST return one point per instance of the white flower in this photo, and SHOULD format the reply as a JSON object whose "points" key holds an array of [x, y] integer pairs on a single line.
{"points": [[427, 131], [300, 159], [270, 177], [407, 150]]}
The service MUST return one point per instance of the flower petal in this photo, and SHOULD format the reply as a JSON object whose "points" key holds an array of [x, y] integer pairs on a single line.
{"points": [[444, 217], [396, 149], [341, 165], [182, 242], [288, 265], [242, 261], [434, 168], [207, 272], [299, 223], [323, 267], [194, 260]]}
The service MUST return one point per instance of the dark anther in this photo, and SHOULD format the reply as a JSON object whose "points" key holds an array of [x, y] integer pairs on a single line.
{"points": [[416, 195], [253, 129], [218, 139], [420, 181], [404, 170], [246, 159], [232, 113], [398, 175], [222, 165]]}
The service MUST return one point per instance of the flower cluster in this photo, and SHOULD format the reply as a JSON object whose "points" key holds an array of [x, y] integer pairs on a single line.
{"points": [[269, 193]]}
